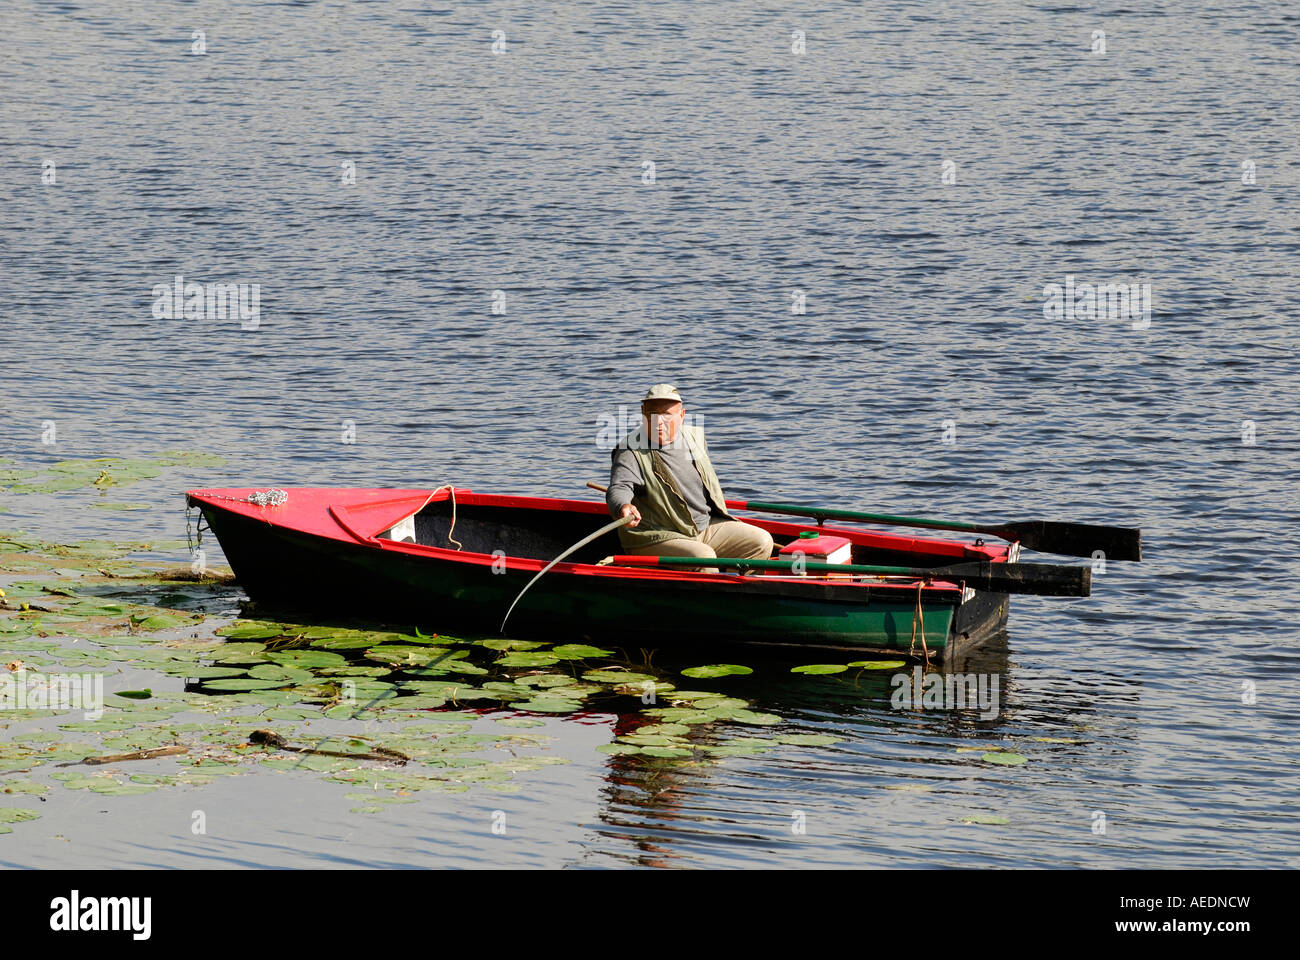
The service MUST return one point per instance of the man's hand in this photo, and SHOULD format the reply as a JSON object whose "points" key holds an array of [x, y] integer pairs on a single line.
{"points": [[630, 511]]}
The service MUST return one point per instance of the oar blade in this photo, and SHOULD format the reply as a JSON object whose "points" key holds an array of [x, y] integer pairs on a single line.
{"points": [[1038, 579], [1076, 539]]}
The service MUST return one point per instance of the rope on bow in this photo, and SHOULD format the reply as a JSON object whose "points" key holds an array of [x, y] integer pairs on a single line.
{"points": [[452, 490]]}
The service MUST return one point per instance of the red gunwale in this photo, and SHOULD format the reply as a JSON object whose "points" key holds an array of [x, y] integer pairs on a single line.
{"points": [[357, 516]]}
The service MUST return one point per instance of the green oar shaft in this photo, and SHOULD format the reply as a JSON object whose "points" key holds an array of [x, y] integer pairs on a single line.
{"points": [[1043, 579], [832, 514]]}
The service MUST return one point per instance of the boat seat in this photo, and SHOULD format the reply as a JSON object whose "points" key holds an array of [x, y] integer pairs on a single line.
{"points": [[536, 534]]}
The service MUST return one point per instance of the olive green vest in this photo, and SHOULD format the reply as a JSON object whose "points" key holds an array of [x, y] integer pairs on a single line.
{"points": [[664, 513]]}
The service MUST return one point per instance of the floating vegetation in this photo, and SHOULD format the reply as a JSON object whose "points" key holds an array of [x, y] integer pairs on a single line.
{"points": [[390, 714], [192, 694], [102, 473], [1004, 757], [10, 815]]}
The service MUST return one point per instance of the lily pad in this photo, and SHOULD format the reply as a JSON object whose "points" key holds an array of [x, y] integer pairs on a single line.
{"points": [[619, 749], [344, 643], [578, 651], [239, 648], [402, 654], [354, 671], [663, 730], [820, 668], [503, 644], [252, 632], [1004, 757], [878, 664], [747, 716], [518, 659], [291, 713], [652, 741], [17, 815], [43, 736], [667, 752], [546, 680], [268, 671], [715, 670], [311, 633], [718, 703], [88, 608], [306, 659], [159, 621]]}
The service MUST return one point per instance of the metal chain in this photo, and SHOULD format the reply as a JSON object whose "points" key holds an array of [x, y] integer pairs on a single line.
{"points": [[194, 530], [261, 498]]}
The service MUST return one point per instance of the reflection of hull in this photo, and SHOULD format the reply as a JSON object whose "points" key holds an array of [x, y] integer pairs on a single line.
{"points": [[323, 549]]}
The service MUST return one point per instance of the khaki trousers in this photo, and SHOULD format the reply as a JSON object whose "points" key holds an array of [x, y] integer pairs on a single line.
{"points": [[727, 538]]}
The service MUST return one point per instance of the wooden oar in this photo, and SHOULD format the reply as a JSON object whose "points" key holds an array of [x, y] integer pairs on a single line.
{"points": [[1042, 579], [581, 543], [1046, 536]]}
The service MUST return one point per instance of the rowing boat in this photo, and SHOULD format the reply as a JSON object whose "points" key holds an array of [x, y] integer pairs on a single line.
{"points": [[451, 559]]}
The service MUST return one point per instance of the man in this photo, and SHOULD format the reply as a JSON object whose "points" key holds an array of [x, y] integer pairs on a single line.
{"points": [[661, 477]]}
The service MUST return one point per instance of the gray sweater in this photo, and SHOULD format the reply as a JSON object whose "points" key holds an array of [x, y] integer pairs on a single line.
{"points": [[625, 475]]}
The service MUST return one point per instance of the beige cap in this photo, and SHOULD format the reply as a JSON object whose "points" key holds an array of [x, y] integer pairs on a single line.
{"points": [[662, 391]]}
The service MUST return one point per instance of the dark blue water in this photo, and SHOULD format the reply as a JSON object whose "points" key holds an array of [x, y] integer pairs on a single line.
{"points": [[922, 377]]}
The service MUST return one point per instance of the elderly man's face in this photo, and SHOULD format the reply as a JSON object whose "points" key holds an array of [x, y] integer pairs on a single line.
{"points": [[663, 419]]}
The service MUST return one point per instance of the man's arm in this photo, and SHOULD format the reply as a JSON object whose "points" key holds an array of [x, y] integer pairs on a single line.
{"points": [[624, 476]]}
